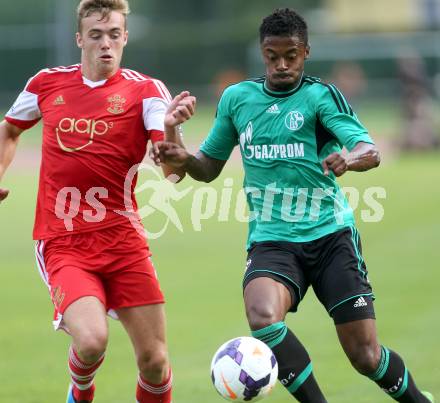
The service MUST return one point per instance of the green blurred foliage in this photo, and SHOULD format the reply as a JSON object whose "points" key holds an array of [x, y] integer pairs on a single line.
{"points": [[26, 12], [177, 41], [201, 38]]}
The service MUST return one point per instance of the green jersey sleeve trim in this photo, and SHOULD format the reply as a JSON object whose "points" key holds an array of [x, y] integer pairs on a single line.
{"points": [[339, 100], [337, 116], [337, 95]]}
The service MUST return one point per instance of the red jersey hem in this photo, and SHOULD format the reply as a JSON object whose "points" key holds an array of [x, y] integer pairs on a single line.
{"points": [[45, 236]]}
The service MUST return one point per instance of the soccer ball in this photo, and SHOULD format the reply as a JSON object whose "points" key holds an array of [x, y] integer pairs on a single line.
{"points": [[244, 369]]}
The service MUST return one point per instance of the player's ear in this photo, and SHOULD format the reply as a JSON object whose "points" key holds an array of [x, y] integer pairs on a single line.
{"points": [[79, 41], [307, 52], [125, 37]]}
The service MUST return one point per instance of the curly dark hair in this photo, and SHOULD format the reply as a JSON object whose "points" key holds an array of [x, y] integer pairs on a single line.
{"points": [[284, 22]]}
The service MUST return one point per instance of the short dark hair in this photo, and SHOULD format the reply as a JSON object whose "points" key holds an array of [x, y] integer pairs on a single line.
{"points": [[284, 22]]}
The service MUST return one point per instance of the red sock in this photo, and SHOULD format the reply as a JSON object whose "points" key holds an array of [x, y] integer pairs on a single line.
{"points": [[82, 375], [149, 393]]}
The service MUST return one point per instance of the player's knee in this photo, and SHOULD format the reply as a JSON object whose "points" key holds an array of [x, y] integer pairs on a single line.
{"points": [[261, 315], [91, 345], [365, 358], [153, 364]]}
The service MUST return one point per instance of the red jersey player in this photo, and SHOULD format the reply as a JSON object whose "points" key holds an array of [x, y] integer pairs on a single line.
{"points": [[97, 120]]}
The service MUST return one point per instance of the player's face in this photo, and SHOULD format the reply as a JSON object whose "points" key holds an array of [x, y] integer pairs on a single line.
{"points": [[284, 59], [102, 43]]}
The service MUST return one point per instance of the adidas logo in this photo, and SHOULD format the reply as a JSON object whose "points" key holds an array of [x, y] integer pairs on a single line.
{"points": [[273, 109], [59, 100], [360, 302]]}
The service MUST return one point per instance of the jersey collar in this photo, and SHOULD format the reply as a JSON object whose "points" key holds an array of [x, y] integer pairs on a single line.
{"points": [[101, 83], [283, 94]]}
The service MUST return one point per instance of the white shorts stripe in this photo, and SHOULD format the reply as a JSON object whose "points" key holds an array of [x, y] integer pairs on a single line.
{"points": [[39, 247]]}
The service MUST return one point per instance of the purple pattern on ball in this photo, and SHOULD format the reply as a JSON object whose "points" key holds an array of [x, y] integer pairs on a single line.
{"points": [[238, 357], [231, 350], [243, 377], [252, 387]]}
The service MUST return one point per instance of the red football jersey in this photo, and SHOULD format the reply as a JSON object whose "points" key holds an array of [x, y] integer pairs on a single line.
{"points": [[93, 134]]}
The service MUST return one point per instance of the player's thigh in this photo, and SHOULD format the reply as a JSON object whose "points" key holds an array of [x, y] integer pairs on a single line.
{"points": [[146, 327], [86, 321], [340, 279], [273, 277]]}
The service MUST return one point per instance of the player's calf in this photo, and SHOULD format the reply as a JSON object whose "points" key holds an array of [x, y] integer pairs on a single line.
{"points": [[364, 357], [394, 379], [358, 337], [294, 364]]}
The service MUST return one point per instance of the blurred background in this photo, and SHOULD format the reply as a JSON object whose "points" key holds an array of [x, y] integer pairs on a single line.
{"points": [[377, 53], [383, 55]]}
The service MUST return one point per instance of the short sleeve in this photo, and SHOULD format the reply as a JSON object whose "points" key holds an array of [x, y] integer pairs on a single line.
{"points": [[338, 117], [155, 101], [25, 112], [153, 112], [222, 137]]}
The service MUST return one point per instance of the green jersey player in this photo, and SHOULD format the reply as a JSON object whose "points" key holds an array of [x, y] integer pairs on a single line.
{"points": [[290, 129]]}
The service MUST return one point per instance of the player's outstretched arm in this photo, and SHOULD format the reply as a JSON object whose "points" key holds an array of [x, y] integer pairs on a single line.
{"points": [[9, 135], [203, 168], [180, 110], [363, 156], [200, 167]]}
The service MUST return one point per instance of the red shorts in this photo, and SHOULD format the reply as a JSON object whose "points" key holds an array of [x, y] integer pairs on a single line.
{"points": [[112, 264]]}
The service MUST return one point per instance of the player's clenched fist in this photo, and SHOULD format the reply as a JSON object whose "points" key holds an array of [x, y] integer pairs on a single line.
{"points": [[335, 162], [180, 109], [168, 153]]}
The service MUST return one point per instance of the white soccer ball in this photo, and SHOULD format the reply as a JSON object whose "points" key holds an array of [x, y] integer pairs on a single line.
{"points": [[244, 369]]}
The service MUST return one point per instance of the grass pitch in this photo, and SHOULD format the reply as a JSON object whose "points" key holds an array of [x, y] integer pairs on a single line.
{"points": [[201, 273]]}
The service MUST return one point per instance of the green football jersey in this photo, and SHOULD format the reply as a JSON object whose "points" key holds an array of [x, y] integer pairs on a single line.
{"points": [[283, 138]]}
